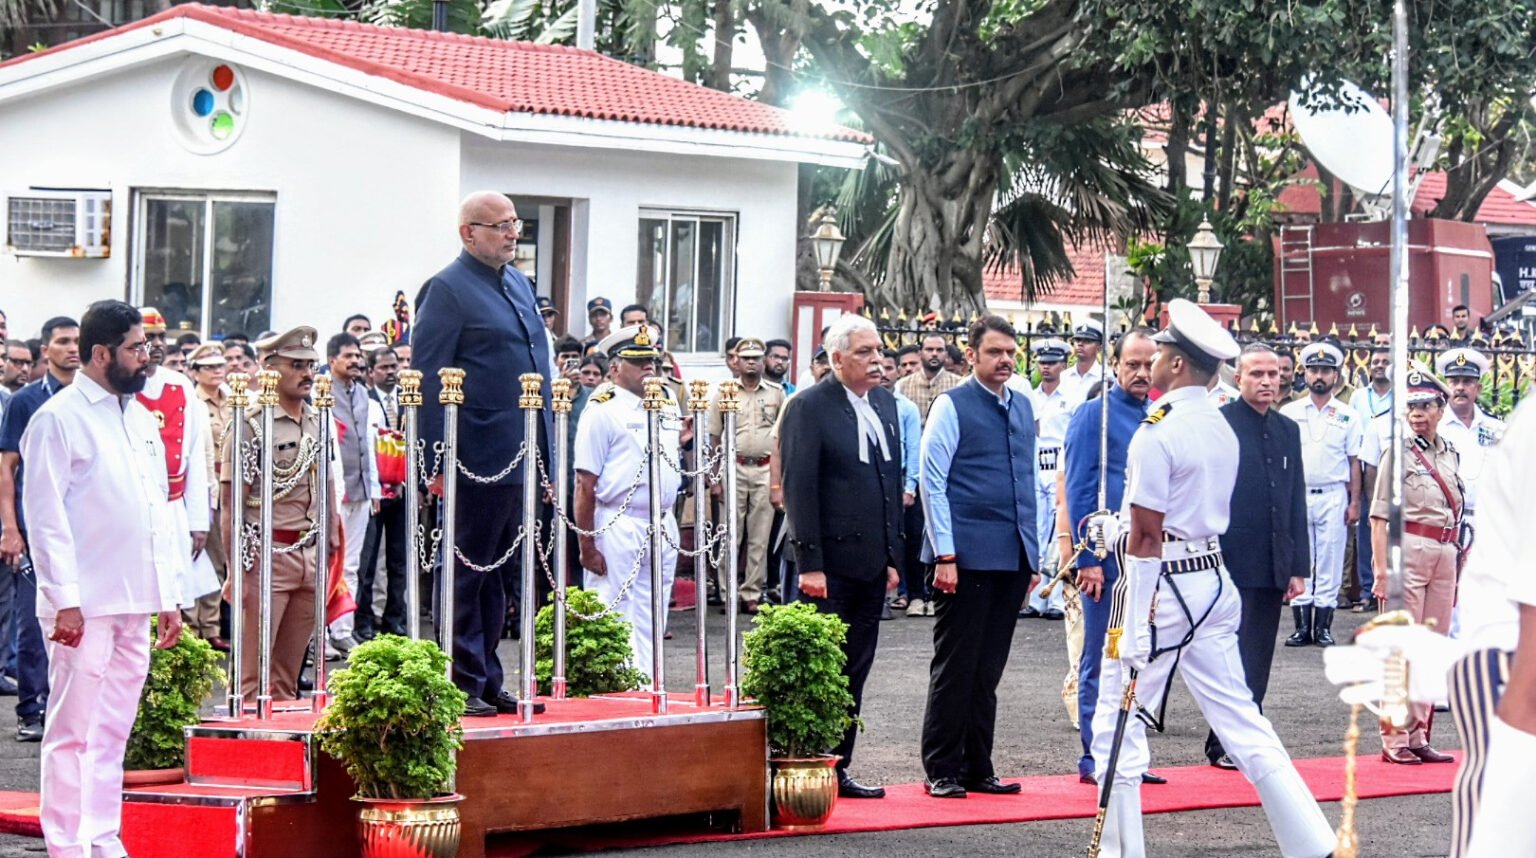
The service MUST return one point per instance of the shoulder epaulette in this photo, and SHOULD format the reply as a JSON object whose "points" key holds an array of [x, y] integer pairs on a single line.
{"points": [[604, 396], [1158, 414], [773, 384]]}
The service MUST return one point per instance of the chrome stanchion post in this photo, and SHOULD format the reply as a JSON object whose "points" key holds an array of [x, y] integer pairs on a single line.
{"points": [[239, 400], [698, 403], [451, 397], [560, 393], [268, 400], [324, 402], [532, 403], [729, 406], [410, 403], [653, 401]]}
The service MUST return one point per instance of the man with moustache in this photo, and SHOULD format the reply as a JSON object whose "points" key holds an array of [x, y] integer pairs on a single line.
{"points": [[479, 314], [776, 364], [840, 440], [355, 433], [239, 357], [1468, 428], [1331, 437], [295, 510], [62, 353], [1266, 548], [388, 525], [107, 550], [1053, 412], [981, 538], [1127, 398], [925, 386], [188, 439]]}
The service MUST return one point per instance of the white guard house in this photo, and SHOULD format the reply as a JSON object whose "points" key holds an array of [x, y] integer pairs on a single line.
{"points": [[243, 171]]}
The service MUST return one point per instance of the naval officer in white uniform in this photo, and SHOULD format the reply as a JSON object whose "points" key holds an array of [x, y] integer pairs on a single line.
{"points": [[609, 456], [1053, 405], [1331, 435], [1180, 472]]}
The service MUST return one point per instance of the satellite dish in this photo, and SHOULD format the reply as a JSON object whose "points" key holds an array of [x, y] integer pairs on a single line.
{"points": [[1350, 136]]}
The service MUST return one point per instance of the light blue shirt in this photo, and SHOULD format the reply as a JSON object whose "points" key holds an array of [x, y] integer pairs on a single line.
{"points": [[940, 436], [911, 441]]}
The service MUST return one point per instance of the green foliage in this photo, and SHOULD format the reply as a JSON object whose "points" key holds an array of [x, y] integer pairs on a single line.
{"points": [[794, 669], [393, 721], [180, 679], [597, 651]]}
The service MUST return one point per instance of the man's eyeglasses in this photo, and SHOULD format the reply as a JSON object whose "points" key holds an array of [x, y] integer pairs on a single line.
{"points": [[513, 225], [18, 361], [140, 348]]}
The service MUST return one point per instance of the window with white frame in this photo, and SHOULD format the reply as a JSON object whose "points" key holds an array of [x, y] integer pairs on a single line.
{"points": [[687, 276], [204, 260]]}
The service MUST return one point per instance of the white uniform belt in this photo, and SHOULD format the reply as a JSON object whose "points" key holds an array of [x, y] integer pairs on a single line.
{"points": [[1188, 549], [606, 513], [1326, 488]]}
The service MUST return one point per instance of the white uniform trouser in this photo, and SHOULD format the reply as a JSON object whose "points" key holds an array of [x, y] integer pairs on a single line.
{"points": [[1213, 673], [354, 525], [1326, 506], [626, 549], [1045, 527], [91, 708]]}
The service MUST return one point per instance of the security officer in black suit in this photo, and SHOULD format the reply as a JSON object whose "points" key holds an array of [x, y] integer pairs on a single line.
{"points": [[479, 314], [840, 439], [1265, 546]]}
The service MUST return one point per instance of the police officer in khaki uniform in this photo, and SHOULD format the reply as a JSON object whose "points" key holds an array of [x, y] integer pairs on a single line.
{"points": [[1433, 503], [761, 401], [296, 503], [206, 366]]}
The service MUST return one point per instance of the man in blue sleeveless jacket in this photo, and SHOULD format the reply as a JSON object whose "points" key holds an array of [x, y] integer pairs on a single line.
{"points": [[979, 496]]}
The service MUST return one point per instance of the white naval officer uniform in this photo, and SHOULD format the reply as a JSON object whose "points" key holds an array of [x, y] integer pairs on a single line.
{"points": [[610, 443], [1331, 438], [104, 539], [1053, 413], [1183, 463]]}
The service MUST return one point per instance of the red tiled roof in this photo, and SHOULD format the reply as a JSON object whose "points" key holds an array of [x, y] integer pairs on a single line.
{"points": [[1085, 288], [513, 77], [1500, 207]]}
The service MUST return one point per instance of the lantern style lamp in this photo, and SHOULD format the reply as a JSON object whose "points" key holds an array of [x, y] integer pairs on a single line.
{"points": [[827, 242], [1204, 252]]}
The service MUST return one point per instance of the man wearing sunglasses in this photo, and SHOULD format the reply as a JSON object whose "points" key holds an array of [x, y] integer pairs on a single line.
{"points": [[480, 314]]}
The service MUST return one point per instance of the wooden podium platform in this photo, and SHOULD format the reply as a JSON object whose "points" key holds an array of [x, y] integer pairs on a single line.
{"points": [[263, 789]]}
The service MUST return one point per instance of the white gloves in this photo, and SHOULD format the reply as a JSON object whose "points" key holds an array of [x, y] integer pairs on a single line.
{"points": [[1103, 533], [1361, 668], [1140, 574]]}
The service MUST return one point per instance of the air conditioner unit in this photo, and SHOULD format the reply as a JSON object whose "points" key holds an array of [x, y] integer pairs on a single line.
{"points": [[71, 224]]}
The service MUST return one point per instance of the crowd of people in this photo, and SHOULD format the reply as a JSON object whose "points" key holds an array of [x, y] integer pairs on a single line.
{"points": [[934, 479]]}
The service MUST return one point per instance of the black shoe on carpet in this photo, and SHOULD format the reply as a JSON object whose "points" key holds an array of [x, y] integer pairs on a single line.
{"points": [[506, 704], [992, 786], [1087, 779], [474, 707], [850, 788], [1225, 763], [944, 788], [1154, 780]]}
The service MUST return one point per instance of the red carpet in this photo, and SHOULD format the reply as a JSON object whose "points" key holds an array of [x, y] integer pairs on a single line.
{"points": [[1044, 798]]}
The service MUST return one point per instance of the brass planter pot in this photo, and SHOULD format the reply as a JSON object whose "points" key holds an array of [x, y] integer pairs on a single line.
{"points": [[409, 828], [804, 791]]}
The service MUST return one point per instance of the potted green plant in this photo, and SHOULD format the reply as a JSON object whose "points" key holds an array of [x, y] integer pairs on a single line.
{"points": [[179, 680], [597, 649], [794, 664], [394, 723]]}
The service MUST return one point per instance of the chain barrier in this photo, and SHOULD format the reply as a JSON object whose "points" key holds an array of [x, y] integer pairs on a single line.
{"points": [[710, 468], [421, 460], [496, 478], [629, 496], [427, 550], [500, 562], [253, 543]]}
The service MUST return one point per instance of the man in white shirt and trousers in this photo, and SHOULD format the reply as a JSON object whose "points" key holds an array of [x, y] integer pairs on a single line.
{"points": [[1331, 436], [1176, 607], [106, 547]]}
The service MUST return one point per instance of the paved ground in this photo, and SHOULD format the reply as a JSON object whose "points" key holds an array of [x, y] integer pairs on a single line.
{"points": [[1034, 736]]}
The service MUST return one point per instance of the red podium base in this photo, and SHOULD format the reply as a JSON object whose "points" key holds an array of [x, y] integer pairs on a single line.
{"points": [[263, 789]]}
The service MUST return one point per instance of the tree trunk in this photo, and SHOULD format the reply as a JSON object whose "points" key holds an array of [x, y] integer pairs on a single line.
{"points": [[936, 244], [719, 76]]}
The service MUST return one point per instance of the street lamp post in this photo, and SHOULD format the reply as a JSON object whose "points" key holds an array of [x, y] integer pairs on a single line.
{"points": [[827, 242], [1204, 252]]}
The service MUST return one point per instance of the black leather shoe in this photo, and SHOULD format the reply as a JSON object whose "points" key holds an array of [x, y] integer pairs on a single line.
{"points": [[944, 788], [1401, 756], [992, 786], [1088, 779], [30, 730], [850, 788], [1225, 762], [506, 704], [474, 707], [1154, 780], [1322, 631], [1028, 613], [1052, 614], [7, 687], [1430, 755], [1303, 633]]}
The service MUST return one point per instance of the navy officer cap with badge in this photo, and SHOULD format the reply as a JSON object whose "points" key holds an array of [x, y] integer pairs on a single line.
{"points": [[1424, 386], [1462, 363], [1322, 355], [633, 342], [1051, 350], [1201, 338], [1088, 329]]}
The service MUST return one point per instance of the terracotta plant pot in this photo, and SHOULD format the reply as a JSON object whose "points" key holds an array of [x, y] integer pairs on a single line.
{"points": [[804, 791], [409, 828], [153, 777]]}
